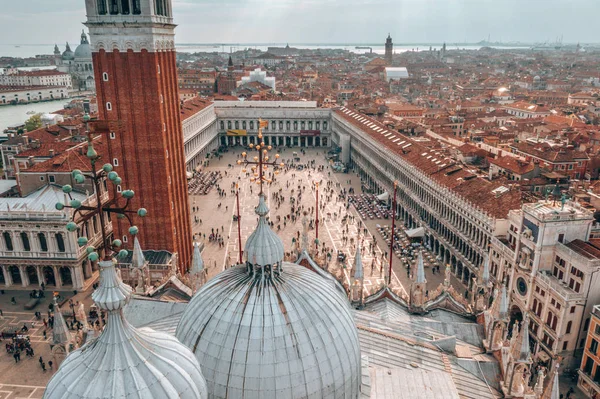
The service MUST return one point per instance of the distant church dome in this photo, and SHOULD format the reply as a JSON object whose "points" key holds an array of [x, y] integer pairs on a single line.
{"points": [[83, 51], [125, 362], [67, 55], [272, 329]]}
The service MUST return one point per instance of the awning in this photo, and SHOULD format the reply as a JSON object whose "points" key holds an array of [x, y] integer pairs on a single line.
{"points": [[415, 233], [383, 197]]}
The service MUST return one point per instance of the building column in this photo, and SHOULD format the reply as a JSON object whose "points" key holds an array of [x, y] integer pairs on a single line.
{"points": [[77, 277], [40, 275], [88, 269], [7, 276], [24, 276], [57, 277]]}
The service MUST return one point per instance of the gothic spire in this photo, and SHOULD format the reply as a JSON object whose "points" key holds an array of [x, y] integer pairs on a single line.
{"points": [[555, 392], [358, 265], [197, 262], [420, 269], [230, 62], [524, 353], [503, 304], [60, 331], [485, 277], [137, 259]]}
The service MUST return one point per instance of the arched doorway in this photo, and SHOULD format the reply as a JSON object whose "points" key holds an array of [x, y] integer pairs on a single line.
{"points": [[32, 274], [49, 278], [15, 274], [2, 281], [65, 275]]}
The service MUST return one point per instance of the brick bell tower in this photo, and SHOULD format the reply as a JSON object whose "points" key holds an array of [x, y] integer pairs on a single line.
{"points": [[133, 53]]}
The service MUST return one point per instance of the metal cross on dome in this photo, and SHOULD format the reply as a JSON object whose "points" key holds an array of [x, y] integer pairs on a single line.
{"points": [[260, 163], [102, 204]]}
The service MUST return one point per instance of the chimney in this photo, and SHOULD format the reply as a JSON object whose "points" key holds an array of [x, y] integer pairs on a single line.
{"points": [[51, 151]]}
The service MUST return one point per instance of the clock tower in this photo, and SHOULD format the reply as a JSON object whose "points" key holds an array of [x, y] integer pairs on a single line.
{"points": [[133, 54]]}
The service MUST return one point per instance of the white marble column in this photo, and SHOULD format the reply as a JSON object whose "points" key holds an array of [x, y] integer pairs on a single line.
{"points": [[40, 275], [7, 276], [57, 276], [24, 276], [77, 277]]}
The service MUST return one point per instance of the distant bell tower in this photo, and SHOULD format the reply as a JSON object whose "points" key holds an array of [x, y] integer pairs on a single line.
{"points": [[133, 53], [389, 48]]}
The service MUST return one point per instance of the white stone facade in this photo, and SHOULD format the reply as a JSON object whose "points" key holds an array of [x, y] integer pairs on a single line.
{"points": [[146, 25], [12, 77], [34, 93], [549, 277], [36, 248], [199, 136]]}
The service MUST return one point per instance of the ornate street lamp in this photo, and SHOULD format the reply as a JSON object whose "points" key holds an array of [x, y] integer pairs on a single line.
{"points": [[116, 205]]}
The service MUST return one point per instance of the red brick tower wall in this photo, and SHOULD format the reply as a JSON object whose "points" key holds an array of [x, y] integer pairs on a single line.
{"points": [[142, 89]]}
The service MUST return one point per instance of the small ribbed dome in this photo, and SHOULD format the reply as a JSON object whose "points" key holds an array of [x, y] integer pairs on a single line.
{"points": [[263, 247], [67, 55], [125, 362], [272, 329]]}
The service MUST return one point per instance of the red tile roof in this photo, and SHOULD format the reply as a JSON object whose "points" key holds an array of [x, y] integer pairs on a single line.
{"points": [[433, 163], [192, 106], [74, 158]]}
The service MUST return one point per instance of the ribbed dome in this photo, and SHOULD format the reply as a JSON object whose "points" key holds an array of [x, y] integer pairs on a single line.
{"points": [[263, 247], [289, 336], [125, 362]]}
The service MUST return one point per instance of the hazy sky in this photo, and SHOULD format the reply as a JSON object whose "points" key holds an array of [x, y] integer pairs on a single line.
{"points": [[328, 21]]}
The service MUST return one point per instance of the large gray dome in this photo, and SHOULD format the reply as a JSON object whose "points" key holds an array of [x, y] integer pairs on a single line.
{"points": [[83, 51], [289, 335]]}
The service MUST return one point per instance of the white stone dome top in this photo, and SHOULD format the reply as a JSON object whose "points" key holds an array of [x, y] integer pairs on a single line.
{"points": [[289, 337], [263, 247], [83, 52], [275, 331], [125, 362]]}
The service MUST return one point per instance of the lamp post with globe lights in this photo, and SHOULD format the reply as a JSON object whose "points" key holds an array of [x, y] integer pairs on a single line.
{"points": [[101, 206], [259, 165]]}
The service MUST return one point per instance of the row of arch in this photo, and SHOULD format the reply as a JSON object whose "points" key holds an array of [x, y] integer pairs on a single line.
{"points": [[464, 259], [25, 275], [275, 125]]}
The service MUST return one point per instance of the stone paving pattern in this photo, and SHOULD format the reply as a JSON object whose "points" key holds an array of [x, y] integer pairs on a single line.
{"points": [[330, 228]]}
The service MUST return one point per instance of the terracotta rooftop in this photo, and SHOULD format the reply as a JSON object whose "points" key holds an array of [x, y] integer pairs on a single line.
{"points": [[73, 158], [192, 106], [491, 197], [590, 250], [513, 165]]}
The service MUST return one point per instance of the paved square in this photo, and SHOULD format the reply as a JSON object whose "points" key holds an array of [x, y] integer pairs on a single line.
{"points": [[215, 213]]}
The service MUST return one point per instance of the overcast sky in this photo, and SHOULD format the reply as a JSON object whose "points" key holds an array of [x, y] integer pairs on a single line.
{"points": [[328, 21]]}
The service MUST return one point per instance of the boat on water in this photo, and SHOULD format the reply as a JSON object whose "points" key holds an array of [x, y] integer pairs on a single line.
{"points": [[31, 112]]}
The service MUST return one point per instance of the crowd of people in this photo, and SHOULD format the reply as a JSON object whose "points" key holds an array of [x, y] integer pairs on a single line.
{"points": [[369, 206], [202, 182]]}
